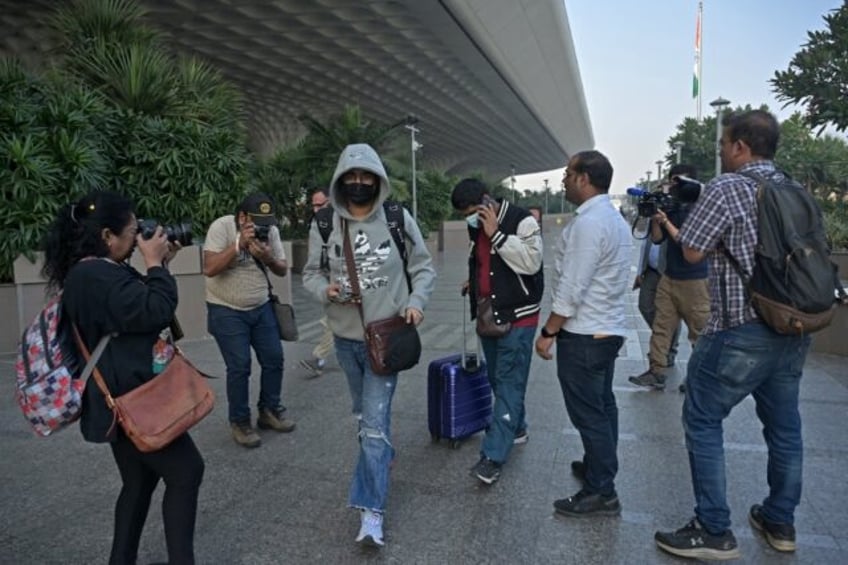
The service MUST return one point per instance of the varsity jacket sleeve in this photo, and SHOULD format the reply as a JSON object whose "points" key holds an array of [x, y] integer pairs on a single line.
{"points": [[521, 252], [419, 265]]}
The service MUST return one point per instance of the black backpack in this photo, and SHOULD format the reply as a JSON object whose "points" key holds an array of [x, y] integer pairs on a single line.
{"points": [[394, 219], [794, 285]]}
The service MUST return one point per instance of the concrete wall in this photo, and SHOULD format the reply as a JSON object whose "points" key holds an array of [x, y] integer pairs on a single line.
{"points": [[21, 302]]}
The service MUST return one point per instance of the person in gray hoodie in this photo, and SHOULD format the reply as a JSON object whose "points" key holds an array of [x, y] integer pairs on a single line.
{"points": [[357, 192]]}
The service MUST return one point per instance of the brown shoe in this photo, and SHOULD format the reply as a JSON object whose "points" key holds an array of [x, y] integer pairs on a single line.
{"points": [[274, 420], [244, 434]]}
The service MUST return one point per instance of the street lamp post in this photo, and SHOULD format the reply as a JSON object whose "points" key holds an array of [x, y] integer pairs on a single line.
{"points": [[411, 121], [648, 176], [562, 200], [719, 104], [546, 196], [678, 147], [659, 170]]}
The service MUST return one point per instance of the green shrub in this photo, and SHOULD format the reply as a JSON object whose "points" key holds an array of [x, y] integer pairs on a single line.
{"points": [[54, 140], [836, 224]]}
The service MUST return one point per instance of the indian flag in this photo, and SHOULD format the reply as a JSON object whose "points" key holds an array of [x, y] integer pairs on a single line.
{"points": [[696, 75]]}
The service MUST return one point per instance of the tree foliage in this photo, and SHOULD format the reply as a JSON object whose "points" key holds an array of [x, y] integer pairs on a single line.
{"points": [[817, 76], [117, 110], [55, 138]]}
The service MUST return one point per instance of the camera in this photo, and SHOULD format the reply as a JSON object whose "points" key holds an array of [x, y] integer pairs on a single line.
{"points": [[180, 233], [262, 232], [680, 190]]}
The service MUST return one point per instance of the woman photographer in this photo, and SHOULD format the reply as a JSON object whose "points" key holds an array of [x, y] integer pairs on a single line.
{"points": [[86, 253]]}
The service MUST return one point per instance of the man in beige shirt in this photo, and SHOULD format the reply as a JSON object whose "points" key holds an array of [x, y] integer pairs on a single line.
{"points": [[238, 252]]}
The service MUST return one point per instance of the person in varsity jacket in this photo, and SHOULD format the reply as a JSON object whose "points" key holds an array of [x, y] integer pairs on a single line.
{"points": [[505, 278]]}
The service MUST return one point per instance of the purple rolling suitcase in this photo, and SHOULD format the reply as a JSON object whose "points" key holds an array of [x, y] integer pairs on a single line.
{"points": [[459, 397]]}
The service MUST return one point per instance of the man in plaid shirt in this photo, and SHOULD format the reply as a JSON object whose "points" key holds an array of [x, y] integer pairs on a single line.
{"points": [[737, 355]]}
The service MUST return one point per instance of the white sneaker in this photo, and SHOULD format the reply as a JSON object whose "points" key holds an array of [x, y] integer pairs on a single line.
{"points": [[315, 367], [371, 530]]}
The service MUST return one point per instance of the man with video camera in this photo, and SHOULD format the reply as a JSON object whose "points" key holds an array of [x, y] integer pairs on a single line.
{"points": [[682, 292]]}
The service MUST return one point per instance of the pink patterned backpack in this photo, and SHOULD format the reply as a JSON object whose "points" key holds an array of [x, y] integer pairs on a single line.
{"points": [[50, 377]]}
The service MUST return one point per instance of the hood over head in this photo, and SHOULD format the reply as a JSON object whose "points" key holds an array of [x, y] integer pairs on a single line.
{"points": [[359, 156]]}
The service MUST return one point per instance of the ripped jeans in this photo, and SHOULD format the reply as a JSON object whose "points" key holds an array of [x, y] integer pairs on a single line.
{"points": [[371, 396]]}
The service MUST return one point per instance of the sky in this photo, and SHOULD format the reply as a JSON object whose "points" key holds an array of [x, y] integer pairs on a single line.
{"points": [[636, 61]]}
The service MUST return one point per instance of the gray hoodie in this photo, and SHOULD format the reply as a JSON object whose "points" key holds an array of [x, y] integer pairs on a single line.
{"points": [[378, 261]]}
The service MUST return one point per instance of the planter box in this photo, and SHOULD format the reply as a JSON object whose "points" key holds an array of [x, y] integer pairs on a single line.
{"points": [[299, 254], [9, 333], [454, 236]]}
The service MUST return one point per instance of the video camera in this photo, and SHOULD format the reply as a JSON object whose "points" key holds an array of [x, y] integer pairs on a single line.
{"points": [[180, 233], [680, 190]]}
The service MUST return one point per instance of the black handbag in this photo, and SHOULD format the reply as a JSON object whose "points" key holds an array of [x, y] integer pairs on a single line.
{"points": [[284, 313]]}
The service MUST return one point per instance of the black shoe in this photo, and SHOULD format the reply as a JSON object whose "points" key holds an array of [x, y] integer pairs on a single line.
{"points": [[585, 504], [486, 470], [694, 541], [780, 536], [578, 469]]}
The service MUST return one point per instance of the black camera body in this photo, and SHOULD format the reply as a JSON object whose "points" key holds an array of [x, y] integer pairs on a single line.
{"points": [[261, 232], [180, 233], [682, 190]]}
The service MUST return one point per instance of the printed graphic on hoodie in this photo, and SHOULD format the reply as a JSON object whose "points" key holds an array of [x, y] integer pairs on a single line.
{"points": [[368, 260]]}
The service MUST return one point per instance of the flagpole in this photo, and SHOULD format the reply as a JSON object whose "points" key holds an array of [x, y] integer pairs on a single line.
{"points": [[698, 90]]}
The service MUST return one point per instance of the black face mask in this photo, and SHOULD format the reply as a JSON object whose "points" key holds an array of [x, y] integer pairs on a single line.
{"points": [[359, 194]]}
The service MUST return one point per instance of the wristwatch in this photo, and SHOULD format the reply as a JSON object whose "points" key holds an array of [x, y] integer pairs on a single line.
{"points": [[546, 334]]}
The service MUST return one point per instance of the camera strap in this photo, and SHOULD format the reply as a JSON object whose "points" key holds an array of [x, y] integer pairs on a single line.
{"points": [[264, 270]]}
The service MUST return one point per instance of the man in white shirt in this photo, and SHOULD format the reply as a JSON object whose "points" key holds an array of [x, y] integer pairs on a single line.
{"points": [[587, 320]]}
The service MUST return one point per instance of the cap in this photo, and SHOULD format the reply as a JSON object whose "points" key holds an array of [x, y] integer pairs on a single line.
{"points": [[261, 208]]}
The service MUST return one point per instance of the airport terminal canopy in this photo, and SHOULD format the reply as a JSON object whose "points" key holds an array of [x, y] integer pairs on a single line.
{"points": [[492, 82]]}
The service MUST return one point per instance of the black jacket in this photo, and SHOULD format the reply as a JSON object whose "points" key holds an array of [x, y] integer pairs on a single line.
{"points": [[101, 297], [514, 296]]}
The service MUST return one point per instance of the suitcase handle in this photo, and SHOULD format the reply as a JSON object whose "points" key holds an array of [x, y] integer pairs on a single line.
{"points": [[467, 311]]}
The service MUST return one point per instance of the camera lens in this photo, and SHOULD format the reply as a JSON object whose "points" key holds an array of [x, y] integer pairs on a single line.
{"points": [[180, 233]]}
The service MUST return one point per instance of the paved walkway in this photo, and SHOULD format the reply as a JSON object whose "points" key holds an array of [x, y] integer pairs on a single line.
{"points": [[285, 502]]}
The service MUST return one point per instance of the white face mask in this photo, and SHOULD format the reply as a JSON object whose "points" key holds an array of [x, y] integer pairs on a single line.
{"points": [[473, 220]]}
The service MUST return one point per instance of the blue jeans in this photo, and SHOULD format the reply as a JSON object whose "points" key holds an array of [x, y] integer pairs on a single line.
{"points": [[508, 364], [371, 396], [585, 367], [236, 331], [725, 367]]}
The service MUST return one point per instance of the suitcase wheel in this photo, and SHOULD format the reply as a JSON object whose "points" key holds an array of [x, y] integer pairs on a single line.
{"points": [[455, 444], [435, 438]]}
